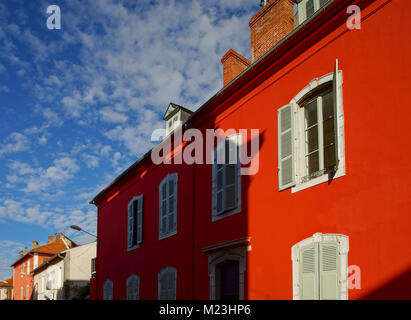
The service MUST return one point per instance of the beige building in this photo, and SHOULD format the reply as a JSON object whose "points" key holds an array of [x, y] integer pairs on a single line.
{"points": [[66, 275]]}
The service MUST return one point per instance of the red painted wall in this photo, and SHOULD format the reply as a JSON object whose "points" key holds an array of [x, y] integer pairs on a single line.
{"points": [[370, 204]]}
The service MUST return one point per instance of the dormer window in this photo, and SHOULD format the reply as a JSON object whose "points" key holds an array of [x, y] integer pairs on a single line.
{"points": [[175, 116], [307, 8]]}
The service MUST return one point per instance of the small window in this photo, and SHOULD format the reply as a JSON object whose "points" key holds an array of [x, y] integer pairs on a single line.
{"points": [[108, 290], [307, 8], [226, 181], [135, 222], [133, 287], [167, 284], [168, 206]]}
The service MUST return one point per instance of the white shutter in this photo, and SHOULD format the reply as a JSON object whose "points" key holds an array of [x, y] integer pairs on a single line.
{"points": [[308, 272], [329, 267], [175, 202], [286, 147], [130, 224], [337, 106], [140, 220], [163, 207], [219, 170]]}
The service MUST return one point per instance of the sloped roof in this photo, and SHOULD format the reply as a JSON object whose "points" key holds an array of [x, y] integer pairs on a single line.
{"points": [[7, 283]]}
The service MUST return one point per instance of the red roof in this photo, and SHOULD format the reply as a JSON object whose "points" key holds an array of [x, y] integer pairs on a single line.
{"points": [[7, 283], [54, 247]]}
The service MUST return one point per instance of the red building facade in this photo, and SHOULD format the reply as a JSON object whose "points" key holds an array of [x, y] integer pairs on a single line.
{"points": [[326, 216]]}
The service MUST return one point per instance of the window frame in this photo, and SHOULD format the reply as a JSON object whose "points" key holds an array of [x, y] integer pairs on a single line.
{"points": [[343, 244], [129, 206], [299, 131], [225, 213], [168, 270], [166, 180]]}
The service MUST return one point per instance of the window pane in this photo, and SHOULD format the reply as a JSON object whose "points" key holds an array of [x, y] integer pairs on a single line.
{"points": [[171, 204], [164, 190], [329, 157], [164, 208], [328, 132], [164, 225], [311, 113], [171, 187], [312, 139], [170, 222], [328, 106], [309, 8], [220, 179], [230, 198], [313, 163], [219, 201]]}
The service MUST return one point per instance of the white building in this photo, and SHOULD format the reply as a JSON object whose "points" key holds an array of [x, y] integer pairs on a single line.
{"points": [[64, 275]]}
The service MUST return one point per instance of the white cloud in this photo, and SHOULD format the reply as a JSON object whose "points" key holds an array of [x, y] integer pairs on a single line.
{"points": [[112, 116], [15, 142]]}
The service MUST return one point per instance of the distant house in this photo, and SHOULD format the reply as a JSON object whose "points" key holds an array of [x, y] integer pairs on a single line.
{"points": [[64, 275], [6, 289], [29, 260]]}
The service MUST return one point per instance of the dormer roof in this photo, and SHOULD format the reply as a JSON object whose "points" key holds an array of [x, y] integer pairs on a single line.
{"points": [[173, 109]]}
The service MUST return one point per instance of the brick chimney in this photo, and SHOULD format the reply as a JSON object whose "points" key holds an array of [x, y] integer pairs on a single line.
{"points": [[233, 64], [34, 245], [270, 25]]}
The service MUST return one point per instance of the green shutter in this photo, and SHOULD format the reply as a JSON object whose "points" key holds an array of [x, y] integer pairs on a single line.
{"points": [[286, 147], [329, 271], [308, 272], [337, 106]]}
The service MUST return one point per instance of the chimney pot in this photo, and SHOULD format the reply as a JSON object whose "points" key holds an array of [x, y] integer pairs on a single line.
{"points": [[50, 239], [35, 244]]}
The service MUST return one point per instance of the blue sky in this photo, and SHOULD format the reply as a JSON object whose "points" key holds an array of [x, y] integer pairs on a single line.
{"points": [[78, 105]]}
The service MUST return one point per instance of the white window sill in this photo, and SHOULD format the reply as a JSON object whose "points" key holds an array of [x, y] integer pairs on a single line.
{"points": [[167, 235], [313, 182], [227, 214]]}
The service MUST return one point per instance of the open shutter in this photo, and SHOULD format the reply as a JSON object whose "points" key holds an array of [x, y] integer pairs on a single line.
{"points": [[286, 147], [219, 180], [308, 272], [337, 106], [130, 224], [175, 203], [329, 266], [163, 207], [140, 221], [231, 173]]}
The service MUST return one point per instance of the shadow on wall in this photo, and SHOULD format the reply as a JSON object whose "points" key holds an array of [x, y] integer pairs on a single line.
{"points": [[398, 288]]}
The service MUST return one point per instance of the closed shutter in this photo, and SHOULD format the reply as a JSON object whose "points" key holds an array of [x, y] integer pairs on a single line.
{"points": [[308, 272], [174, 225], [163, 286], [231, 173], [130, 225], [172, 285], [329, 275], [337, 106], [140, 221], [286, 145]]}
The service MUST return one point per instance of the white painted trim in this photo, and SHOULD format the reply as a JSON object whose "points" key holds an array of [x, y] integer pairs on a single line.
{"points": [[343, 243]]}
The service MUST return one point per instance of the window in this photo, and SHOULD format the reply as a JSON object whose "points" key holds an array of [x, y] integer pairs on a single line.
{"points": [[307, 8], [311, 135], [93, 267], [28, 266], [21, 293], [168, 206], [27, 292], [320, 268], [108, 290], [135, 222], [167, 284], [133, 286], [226, 178]]}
